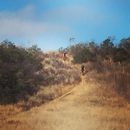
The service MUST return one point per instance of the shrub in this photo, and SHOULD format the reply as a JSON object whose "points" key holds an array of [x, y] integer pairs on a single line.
{"points": [[122, 85], [17, 73]]}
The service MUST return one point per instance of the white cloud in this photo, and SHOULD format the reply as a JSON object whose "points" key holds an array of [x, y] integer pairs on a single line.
{"points": [[25, 13], [23, 24], [28, 28], [26, 23], [82, 14], [73, 14]]}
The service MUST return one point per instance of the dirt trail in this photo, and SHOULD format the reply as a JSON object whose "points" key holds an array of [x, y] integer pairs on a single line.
{"points": [[79, 109]]}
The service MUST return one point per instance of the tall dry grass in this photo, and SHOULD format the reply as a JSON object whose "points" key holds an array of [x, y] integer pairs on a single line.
{"points": [[114, 77], [59, 77]]}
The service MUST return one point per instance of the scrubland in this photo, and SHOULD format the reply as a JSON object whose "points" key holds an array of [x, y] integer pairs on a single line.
{"points": [[51, 94], [94, 103]]}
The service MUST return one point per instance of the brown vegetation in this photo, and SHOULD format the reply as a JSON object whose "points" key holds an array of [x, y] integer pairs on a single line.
{"points": [[92, 104], [100, 98]]}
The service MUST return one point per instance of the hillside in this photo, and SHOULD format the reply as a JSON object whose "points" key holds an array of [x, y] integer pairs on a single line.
{"points": [[85, 107], [41, 91]]}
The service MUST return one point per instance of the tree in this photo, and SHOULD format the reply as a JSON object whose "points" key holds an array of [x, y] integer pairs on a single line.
{"points": [[125, 44], [120, 55], [106, 48], [18, 75], [83, 53], [33, 49]]}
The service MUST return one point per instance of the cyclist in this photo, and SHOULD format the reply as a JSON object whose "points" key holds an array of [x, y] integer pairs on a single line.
{"points": [[82, 69], [64, 56]]}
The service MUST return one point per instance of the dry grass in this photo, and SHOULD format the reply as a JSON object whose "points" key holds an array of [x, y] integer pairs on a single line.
{"points": [[47, 94], [93, 104], [59, 77], [113, 76], [89, 105], [6, 112], [57, 71]]}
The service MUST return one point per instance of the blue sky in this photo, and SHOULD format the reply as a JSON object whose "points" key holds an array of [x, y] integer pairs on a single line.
{"points": [[51, 23]]}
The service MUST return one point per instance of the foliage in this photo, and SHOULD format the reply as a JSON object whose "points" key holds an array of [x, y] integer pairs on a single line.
{"points": [[17, 73], [107, 50], [84, 52], [120, 55], [56, 71], [107, 59], [125, 44], [23, 72]]}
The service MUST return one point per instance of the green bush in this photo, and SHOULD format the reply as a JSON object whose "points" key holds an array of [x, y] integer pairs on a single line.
{"points": [[17, 73]]}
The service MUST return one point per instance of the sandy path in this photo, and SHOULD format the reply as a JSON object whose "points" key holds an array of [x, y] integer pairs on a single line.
{"points": [[80, 109]]}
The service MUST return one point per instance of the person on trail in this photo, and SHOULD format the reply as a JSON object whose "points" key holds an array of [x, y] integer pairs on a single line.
{"points": [[82, 69], [64, 56]]}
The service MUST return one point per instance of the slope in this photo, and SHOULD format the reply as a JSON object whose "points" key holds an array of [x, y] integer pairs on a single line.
{"points": [[80, 109]]}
